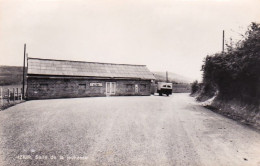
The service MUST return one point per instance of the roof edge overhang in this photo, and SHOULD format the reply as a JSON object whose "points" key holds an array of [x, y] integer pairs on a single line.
{"points": [[83, 77]]}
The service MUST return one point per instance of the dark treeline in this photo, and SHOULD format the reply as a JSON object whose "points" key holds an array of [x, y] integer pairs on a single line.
{"points": [[235, 73]]}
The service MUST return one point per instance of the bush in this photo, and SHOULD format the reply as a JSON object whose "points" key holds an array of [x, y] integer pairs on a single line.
{"points": [[194, 87], [236, 73]]}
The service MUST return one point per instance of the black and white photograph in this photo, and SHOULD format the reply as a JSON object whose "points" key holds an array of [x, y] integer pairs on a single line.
{"points": [[129, 83]]}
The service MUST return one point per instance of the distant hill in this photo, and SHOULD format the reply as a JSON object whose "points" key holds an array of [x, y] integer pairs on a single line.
{"points": [[11, 75], [161, 76]]}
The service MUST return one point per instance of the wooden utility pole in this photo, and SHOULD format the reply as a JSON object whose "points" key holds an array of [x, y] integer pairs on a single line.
{"points": [[223, 41], [166, 76], [24, 68]]}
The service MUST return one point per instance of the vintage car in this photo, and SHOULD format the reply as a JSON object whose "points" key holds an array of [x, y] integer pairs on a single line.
{"points": [[164, 88]]}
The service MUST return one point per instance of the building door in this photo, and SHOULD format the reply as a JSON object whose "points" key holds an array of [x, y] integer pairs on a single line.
{"points": [[136, 88], [110, 88]]}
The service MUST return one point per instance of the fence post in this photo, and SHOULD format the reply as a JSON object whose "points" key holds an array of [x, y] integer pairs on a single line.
{"points": [[21, 94], [14, 95], [2, 102], [8, 97], [17, 94]]}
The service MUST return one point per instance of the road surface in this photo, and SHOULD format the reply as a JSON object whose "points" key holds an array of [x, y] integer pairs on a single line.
{"points": [[150, 130]]}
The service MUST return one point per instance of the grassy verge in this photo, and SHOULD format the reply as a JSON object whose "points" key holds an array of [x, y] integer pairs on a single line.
{"points": [[8, 105]]}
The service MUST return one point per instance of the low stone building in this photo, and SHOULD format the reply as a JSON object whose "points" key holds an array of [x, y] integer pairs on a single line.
{"points": [[49, 78]]}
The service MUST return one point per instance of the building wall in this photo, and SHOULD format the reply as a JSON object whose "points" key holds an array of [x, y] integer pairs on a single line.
{"points": [[47, 88]]}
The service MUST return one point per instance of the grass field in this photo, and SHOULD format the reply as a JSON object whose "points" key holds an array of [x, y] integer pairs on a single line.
{"points": [[11, 75]]}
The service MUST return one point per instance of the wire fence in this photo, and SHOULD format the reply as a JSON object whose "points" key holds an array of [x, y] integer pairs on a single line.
{"points": [[10, 95]]}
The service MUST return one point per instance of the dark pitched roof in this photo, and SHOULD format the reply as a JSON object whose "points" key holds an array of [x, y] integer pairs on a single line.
{"points": [[38, 66]]}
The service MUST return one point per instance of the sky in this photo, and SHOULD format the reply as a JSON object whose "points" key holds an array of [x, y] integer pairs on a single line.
{"points": [[165, 35]]}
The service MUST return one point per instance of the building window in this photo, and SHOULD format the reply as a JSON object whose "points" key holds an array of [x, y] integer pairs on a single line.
{"points": [[143, 87], [82, 86], [130, 88], [44, 87]]}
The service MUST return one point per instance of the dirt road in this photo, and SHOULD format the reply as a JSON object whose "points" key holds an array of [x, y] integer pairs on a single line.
{"points": [[148, 130]]}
